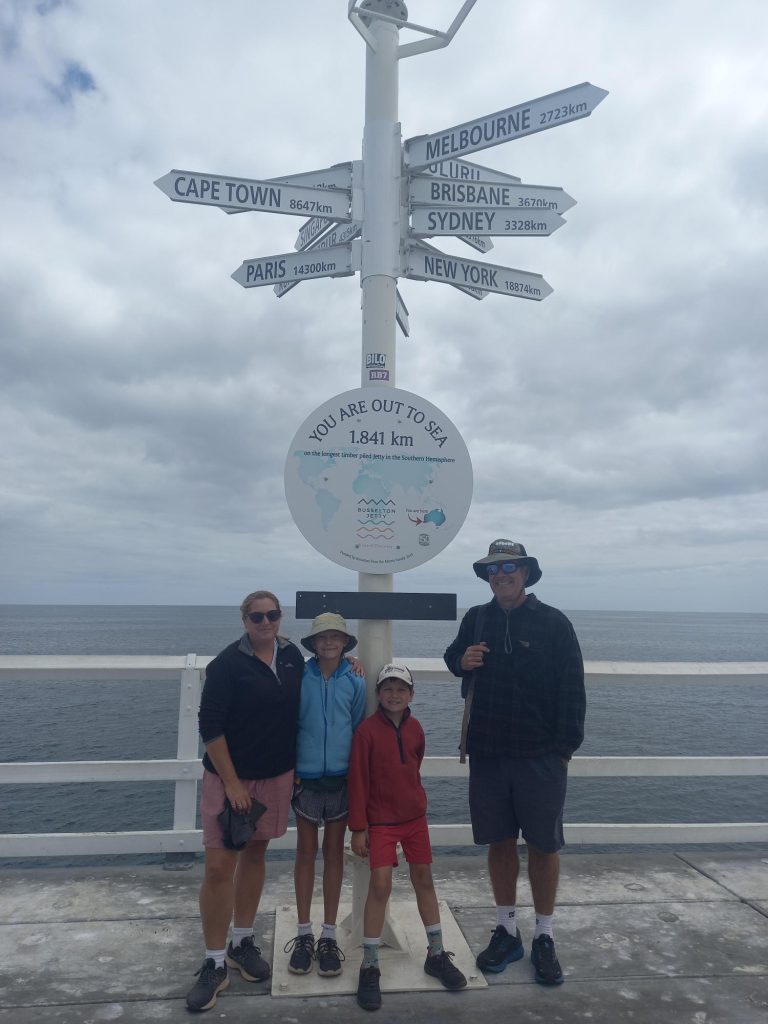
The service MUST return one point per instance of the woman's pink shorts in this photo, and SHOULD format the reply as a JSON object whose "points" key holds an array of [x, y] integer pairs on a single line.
{"points": [[274, 793]]}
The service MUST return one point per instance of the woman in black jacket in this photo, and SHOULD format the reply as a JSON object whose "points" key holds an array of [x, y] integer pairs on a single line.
{"points": [[248, 719]]}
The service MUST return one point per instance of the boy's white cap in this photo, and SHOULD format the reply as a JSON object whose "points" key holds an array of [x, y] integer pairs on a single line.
{"points": [[395, 672]]}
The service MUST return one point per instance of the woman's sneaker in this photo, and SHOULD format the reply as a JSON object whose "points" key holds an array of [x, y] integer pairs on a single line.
{"points": [[503, 949], [210, 981], [247, 959], [440, 966], [303, 954], [329, 958], [545, 961]]}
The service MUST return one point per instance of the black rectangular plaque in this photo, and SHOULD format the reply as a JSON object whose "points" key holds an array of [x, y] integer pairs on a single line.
{"points": [[366, 605]]}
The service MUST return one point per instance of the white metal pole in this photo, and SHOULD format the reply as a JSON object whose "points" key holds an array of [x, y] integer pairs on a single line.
{"points": [[382, 161]]}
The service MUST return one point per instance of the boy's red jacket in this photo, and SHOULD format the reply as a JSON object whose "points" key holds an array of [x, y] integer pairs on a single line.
{"points": [[384, 781]]}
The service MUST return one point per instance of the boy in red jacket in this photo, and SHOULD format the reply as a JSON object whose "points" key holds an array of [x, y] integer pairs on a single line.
{"points": [[387, 805]]}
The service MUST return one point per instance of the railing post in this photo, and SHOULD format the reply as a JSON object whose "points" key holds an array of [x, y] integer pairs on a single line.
{"points": [[187, 743]]}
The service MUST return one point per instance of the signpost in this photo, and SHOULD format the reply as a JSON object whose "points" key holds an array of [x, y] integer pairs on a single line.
{"points": [[378, 479], [480, 242], [338, 235], [339, 176], [428, 221], [505, 125], [427, 265], [337, 261], [434, 191], [310, 231], [466, 170], [252, 194]]}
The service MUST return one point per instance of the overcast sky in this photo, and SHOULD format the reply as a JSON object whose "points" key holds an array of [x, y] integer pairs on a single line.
{"points": [[617, 429]]}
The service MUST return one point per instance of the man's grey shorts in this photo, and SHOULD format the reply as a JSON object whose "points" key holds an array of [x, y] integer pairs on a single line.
{"points": [[513, 795], [319, 806]]}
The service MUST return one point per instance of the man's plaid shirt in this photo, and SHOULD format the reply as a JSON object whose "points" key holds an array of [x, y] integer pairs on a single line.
{"points": [[529, 696]]}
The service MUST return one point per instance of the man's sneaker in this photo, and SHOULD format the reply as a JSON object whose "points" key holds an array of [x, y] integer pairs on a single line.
{"points": [[545, 961], [440, 966], [247, 959], [303, 954], [329, 958], [503, 949], [210, 981], [368, 991]]}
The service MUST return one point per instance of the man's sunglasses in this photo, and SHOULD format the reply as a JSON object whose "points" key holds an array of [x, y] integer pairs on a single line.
{"points": [[272, 616], [508, 567]]}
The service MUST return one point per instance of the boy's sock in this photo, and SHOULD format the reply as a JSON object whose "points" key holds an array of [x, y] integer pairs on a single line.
{"points": [[328, 931], [217, 955], [434, 939], [238, 934], [543, 925], [370, 952], [506, 917], [304, 929]]}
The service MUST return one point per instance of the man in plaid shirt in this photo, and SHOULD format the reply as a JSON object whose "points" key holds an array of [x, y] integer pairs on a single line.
{"points": [[523, 683]]}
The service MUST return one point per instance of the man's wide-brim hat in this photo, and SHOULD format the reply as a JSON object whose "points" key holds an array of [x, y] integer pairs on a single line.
{"points": [[322, 624], [508, 551]]}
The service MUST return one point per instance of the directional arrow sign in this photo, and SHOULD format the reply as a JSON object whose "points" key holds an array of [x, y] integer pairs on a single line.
{"points": [[340, 234], [427, 265], [482, 244], [465, 170], [505, 125], [475, 293], [485, 220], [311, 231], [515, 195], [249, 194], [401, 314], [338, 176], [338, 261]]}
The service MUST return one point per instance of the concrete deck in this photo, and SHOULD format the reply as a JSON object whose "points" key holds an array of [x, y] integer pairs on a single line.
{"points": [[657, 938]]}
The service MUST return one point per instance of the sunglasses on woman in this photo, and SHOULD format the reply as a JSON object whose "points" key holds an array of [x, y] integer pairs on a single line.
{"points": [[271, 616]]}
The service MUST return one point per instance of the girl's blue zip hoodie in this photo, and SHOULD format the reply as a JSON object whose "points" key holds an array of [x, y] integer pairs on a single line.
{"points": [[329, 712]]}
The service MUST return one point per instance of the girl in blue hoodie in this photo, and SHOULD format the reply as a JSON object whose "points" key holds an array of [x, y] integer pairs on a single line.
{"points": [[332, 705]]}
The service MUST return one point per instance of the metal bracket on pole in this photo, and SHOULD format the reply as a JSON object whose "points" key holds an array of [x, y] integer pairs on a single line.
{"points": [[441, 38], [357, 22], [359, 15]]}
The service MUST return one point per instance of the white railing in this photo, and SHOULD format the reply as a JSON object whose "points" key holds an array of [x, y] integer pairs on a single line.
{"points": [[185, 769]]}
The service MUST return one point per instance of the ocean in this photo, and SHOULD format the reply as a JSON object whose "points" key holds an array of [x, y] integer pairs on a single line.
{"points": [[137, 719]]}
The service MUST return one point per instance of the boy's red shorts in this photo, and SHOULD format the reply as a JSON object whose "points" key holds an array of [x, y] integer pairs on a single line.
{"points": [[413, 836]]}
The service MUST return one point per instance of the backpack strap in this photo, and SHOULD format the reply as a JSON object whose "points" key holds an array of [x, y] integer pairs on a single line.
{"points": [[469, 692]]}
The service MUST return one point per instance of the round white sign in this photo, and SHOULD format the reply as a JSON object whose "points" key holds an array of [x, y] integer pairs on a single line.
{"points": [[378, 480]]}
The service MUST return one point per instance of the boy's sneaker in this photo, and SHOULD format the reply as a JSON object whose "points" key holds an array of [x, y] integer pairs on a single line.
{"points": [[368, 991], [545, 961], [503, 949], [303, 954], [329, 958], [247, 959], [210, 981], [440, 966]]}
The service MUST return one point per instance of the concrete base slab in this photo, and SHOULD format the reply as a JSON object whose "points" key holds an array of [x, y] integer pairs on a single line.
{"points": [[678, 1001], [665, 945], [744, 875], [588, 878], [402, 969], [56, 894], [90, 961], [652, 941], [631, 878]]}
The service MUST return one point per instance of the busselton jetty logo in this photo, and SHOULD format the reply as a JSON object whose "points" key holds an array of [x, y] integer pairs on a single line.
{"points": [[376, 517]]}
